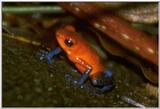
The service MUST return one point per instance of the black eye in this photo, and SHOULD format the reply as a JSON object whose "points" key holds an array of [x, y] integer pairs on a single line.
{"points": [[68, 42]]}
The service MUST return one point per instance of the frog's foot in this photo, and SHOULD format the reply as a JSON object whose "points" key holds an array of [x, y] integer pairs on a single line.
{"points": [[47, 56], [104, 82], [74, 70], [87, 87], [106, 88], [72, 80]]}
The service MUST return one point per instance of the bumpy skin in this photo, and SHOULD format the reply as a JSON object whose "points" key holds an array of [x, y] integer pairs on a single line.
{"points": [[80, 53]]}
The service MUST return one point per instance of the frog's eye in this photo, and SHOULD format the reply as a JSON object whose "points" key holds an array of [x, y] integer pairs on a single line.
{"points": [[68, 42]]}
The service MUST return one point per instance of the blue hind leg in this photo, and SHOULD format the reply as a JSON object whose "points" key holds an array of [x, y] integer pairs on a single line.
{"points": [[110, 85], [49, 55], [104, 82], [108, 74]]}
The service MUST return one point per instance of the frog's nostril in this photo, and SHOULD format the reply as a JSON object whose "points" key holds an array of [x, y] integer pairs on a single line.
{"points": [[108, 74]]}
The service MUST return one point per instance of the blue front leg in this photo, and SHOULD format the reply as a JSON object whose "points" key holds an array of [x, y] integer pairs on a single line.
{"points": [[49, 55], [84, 77]]}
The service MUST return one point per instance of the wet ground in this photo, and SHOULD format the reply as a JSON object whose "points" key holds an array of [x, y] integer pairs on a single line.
{"points": [[29, 82]]}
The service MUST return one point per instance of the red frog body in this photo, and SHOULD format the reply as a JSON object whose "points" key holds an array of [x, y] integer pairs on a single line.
{"points": [[84, 57], [80, 53]]}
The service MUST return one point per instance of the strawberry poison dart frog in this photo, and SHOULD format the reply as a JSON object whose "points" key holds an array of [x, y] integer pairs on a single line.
{"points": [[84, 57]]}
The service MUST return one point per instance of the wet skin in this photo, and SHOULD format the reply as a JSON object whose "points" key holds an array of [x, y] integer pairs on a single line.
{"points": [[84, 57]]}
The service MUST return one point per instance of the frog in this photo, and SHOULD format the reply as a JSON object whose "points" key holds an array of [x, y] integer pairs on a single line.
{"points": [[84, 57]]}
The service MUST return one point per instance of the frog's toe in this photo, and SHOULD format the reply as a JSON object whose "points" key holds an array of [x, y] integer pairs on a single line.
{"points": [[88, 87], [107, 87], [46, 57], [73, 81], [70, 78], [49, 55]]}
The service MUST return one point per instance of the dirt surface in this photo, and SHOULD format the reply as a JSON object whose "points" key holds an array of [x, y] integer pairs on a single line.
{"points": [[30, 82]]}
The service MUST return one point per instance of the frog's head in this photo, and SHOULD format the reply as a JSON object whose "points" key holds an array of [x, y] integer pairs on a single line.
{"points": [[67, 38]]}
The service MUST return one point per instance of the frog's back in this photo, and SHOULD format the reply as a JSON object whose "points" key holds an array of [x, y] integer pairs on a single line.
{"points": [[85, 52]]}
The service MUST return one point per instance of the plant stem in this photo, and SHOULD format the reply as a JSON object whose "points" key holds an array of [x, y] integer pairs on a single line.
{"points": [[32, 9]]}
